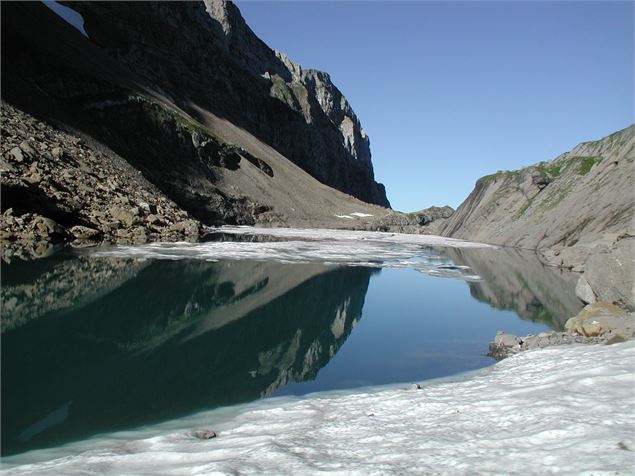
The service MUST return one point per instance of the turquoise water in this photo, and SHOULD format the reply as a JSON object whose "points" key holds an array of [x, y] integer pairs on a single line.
{"points": [[98, 344]]}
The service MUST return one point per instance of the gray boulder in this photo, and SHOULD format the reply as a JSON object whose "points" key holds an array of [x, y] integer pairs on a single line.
{"points": [[611, 273]]}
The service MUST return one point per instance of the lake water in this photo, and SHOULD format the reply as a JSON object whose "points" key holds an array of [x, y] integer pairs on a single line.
{"points": [[109, 339]]}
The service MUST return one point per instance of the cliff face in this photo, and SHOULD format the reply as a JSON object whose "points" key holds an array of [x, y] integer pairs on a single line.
{"points": [[191, 98], [203, 54], [577, 209]]}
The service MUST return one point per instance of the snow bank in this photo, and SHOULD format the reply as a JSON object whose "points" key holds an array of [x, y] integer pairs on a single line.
{"points": [[67, 14], [353, 235], [559, 410], [355, 248]]}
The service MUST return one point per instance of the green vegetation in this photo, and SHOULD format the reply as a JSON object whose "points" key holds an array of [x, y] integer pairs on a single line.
{"points": [[513, 174], [586, 163], [163, 111], [551, 170], [487, 179]]}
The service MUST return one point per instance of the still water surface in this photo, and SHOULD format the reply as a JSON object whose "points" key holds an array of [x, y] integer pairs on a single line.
{"points": [[97, 343]]}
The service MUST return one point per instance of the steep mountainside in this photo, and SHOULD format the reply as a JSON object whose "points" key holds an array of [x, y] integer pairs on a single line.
{"points": [[203, 55], [190, 97], [577, 209]]}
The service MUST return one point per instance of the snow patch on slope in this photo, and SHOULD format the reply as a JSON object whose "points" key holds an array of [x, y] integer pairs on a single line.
{"points": [[557, 410]]}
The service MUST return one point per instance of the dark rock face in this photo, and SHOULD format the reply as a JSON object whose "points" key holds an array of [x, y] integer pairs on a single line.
{"points": [[61, 187], [203, 54], [187, 107]]}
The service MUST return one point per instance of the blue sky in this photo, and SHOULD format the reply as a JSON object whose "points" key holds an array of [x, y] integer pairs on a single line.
{"points": [[451, 91]]}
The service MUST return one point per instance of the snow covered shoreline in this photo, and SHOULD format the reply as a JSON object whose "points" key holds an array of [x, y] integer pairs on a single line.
{"points": [[566, 410]]}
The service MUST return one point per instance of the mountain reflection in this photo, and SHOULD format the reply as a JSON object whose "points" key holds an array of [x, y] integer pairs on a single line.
{"points": [[93, 344], [517, 280]]}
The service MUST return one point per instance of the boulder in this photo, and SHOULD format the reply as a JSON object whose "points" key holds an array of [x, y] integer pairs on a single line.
{"points": [[611, 273], [584, 292], [45, 227], [27, 149], [601, 318], [186, 227], [123, 216], [204, 434], [6, 166], [17, 155], [57, 152], [84, 232], [504, 345]]}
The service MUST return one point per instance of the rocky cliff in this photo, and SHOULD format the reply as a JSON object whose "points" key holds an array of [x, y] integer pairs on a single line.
{"points": [[577, 209], [189, 96]]}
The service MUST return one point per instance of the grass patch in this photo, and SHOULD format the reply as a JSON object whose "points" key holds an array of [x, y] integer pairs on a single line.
{"points": [[585, 164], [547, 169], [502, 174], [487, 179]]}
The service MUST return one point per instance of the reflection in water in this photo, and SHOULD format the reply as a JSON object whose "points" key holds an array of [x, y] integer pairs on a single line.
{"points": [[32, 289], [159, 339], [518, 281], [100, 344]]}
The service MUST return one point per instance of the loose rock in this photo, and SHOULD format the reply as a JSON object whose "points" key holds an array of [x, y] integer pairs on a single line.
{"points": [[598, 323], [205, 434]]}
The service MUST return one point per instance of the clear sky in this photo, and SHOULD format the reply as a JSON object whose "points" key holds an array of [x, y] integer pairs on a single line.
{"points": [[451, 91]]}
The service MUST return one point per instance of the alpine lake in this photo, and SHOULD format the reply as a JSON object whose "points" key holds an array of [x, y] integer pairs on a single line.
{"points": [[107, 339]]}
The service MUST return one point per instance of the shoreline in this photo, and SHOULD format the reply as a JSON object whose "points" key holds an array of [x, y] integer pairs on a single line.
{"points": [[442, 427], [598, 323]]}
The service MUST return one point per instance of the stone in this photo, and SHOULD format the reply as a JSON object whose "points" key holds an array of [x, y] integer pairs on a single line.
{"points": [[57, 152], [507, 340], [33, 178], [204, 434], [504, 345], [17, 155], [45, 226], [122, 215], [601, 318], [155, 219], [584, 292], [27, 149], [611, 273], [6, 166], [186, 227], [84, 232], [615, 339]]}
